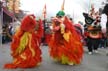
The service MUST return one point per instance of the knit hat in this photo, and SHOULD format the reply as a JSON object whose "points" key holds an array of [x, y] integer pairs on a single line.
{"points": [[60, 13]]}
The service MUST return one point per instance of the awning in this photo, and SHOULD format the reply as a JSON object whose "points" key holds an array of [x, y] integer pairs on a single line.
{"points": [[8, 13], [7, 16]]}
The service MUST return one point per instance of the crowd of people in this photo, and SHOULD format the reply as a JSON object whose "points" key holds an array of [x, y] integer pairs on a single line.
{"points": [[64, 39]]}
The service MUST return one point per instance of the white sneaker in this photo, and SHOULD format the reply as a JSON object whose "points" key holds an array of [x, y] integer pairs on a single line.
{"points": [[90, 53], [95, 51], [102, 47]]}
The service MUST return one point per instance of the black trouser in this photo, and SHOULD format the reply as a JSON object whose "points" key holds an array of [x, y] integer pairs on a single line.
{"points": [[103, 42], [92, 44]]}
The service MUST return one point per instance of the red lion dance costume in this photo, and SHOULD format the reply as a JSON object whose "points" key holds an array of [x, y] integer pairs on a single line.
{"points": [[25, 44], [65, 45]]}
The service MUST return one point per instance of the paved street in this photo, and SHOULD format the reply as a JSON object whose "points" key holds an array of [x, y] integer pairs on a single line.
{"points": [[95, 62]]}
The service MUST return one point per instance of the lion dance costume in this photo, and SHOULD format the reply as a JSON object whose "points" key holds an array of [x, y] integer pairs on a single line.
{"points": [[92, 30], [65, 45], [25, 44]]}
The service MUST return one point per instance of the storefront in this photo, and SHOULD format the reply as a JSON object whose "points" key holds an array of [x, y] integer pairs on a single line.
{"points": [[7, 18]]}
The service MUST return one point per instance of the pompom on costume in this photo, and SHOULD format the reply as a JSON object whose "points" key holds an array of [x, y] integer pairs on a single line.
{"points": [[65, 45], [25, 45]]}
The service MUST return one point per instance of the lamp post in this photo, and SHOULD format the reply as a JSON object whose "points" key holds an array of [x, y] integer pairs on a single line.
{"points": [[89, 6], [1, 21]]}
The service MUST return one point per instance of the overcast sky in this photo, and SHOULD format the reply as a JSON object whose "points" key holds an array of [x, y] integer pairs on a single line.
{"points": [[72, 7]]}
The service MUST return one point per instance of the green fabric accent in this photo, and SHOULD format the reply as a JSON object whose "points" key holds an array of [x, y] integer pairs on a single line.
{"points": [[23, 43], [60, 13], [64, 59]]}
